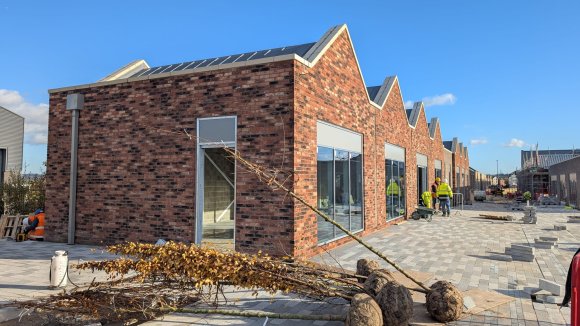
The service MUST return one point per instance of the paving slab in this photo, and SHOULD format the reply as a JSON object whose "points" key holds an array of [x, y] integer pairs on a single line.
{"points": [[550, 286], [459, 248]]}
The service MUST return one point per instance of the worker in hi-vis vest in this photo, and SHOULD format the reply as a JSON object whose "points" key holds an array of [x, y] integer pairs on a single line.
{"points": [[444, 194], [426, 198], [393, 189], [393, 198], [434, 187], [35, 228]]}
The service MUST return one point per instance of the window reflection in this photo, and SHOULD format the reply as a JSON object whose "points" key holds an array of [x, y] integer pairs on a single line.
{"points": [[339, 191], [395, 188]]}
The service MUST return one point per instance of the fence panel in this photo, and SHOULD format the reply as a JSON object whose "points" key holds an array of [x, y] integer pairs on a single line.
{"points": [[457, 202]]}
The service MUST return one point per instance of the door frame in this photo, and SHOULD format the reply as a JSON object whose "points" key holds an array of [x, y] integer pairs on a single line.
{"points": [[200, 169], [4, 164]]}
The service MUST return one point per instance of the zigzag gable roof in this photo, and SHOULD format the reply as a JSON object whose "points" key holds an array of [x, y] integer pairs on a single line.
{"points": [[308, 54]]}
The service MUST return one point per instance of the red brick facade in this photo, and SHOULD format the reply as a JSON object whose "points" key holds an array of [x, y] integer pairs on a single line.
{"points": [[137, 179]]}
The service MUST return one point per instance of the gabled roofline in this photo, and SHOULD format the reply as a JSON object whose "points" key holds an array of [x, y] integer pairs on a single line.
{"points": [[316, 52], [16, 114], [385, 90], [454, 144], [566, 160], [126, 71], [310, 59], [415, 113], [285, 57], [433, 127]]}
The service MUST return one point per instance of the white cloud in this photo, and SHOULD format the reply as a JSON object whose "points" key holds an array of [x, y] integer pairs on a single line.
{"points": [[514, 142], [35, 116], [443, 99], [478, 141]]}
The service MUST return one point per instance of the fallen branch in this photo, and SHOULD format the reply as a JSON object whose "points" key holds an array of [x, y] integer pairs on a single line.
{"points": [[271, 180]]}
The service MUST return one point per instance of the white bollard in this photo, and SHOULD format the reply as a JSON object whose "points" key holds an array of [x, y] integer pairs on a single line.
{"points": [[59, 269]]}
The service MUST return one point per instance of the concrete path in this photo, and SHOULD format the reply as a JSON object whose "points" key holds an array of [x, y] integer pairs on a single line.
{"points": [[464, 250], [461, 249]]}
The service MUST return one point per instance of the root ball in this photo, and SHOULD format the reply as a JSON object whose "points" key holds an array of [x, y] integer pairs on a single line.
{"points": [[444, 302], [364, 311], [396, 304]]}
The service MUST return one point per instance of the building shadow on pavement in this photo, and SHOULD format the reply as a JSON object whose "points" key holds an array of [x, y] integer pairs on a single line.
{"points": [[23, 287]]}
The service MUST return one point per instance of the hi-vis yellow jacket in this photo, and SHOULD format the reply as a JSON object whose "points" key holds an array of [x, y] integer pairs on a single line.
{"points": [[444, 191], [393, 189]]}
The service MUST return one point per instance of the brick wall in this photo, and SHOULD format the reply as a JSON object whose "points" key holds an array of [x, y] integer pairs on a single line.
{"points": [[137, 181], [333, 91]]}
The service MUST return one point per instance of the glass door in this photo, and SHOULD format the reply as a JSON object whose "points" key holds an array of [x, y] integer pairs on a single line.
{"points": [[421, 181], [218, 198], [216, 182]]}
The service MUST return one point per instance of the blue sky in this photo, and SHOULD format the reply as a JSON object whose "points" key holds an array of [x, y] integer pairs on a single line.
{"points": [[504, 72]]}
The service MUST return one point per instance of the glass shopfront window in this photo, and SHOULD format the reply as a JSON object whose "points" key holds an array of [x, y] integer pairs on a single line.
{"points": [[325, 189], [395, 192], [340, 192], [395, 188]]}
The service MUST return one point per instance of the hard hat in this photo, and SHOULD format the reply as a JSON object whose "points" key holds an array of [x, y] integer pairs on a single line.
{"points": [[38, 211], [437, 179], [446, 181]]}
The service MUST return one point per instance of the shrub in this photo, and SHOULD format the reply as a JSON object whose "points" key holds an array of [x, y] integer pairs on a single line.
{"points": [[22, 194]]}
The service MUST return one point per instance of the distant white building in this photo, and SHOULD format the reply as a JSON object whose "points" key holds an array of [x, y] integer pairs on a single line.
{"points": [[513, 180], [11, 142]]}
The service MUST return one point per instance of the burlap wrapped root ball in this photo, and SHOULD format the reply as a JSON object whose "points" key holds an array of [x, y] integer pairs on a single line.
{"points": [[377, 280], [364, 311], [365, 267], [444, 302], [396, 304]]}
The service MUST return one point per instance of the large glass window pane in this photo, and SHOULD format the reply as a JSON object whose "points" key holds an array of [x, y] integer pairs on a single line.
{"points": [[325, 192], [219, 201], [356, 189], [391, 189], [395, 193], [402, 184], [341, 190]]}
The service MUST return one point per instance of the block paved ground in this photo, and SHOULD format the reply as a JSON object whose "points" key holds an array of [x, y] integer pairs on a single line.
{"points": [[460, 248]]}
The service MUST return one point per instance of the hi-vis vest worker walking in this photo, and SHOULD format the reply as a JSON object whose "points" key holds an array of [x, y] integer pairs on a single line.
{"points": [[444, 194], [35, 230]]}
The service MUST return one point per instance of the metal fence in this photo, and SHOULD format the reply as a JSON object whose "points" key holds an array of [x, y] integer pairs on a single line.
{"points": [[457, 202]]}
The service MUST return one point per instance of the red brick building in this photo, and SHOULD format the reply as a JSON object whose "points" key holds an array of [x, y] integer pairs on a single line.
{"points": [[356, 153]]}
